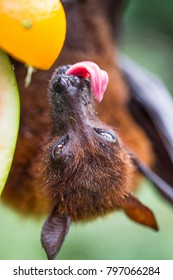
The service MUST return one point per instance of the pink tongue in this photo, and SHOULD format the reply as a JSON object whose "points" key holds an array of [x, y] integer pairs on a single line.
{"points": [[99, 78]]}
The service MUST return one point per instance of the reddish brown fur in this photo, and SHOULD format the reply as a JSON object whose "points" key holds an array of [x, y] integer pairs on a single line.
{"points": [[92, 183], [93, 41]]}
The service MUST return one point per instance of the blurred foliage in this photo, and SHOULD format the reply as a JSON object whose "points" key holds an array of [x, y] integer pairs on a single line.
{"points": [[155, 14], [148, 36], [147, 39]]}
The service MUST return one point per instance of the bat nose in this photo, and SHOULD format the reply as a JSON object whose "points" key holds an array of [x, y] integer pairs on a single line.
{"points": [[68, 84], [60, 84]]}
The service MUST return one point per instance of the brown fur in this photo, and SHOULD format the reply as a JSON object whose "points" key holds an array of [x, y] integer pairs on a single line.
{"points": [[89, 38]]}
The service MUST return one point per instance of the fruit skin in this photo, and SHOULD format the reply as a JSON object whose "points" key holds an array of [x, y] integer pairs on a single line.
{"points": [[32, 31], [9, 117]]}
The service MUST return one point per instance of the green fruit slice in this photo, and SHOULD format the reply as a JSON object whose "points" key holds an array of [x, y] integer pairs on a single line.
{"points": [[9, 117]]}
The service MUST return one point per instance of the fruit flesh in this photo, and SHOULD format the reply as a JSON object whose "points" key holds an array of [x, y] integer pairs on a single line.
{"points": [[32, 32], [9, 117]]}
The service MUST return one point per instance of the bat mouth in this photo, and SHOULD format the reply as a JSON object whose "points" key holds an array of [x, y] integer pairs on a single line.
{"points": [[67, 88], [99, 78], [74, 78]]}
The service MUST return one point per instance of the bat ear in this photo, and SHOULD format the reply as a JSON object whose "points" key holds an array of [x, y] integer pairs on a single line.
{"points": [[138, 212], [53, 233]]}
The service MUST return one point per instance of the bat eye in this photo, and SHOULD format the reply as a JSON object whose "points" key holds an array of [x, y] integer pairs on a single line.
{"points": [[105, 134], [59, 147]]}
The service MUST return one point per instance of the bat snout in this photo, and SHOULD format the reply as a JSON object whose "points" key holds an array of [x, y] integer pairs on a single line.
{"points": [[66, 84], [60, 85]]}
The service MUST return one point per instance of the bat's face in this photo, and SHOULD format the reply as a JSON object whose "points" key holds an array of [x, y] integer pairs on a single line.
{"points": [[88, 170]]}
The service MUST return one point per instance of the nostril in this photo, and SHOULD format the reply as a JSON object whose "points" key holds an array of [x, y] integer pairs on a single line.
{"points": [[60, 85], [66, 84], [59, 79], [63, 81]]}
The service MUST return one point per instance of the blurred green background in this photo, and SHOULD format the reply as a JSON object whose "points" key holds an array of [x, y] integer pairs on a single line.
{"points": [[147, 38]]}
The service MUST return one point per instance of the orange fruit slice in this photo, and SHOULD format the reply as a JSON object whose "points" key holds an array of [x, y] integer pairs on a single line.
{"points": [[32, 31]]}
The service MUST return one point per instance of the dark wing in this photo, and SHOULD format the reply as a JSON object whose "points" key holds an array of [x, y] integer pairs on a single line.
{"points": [[53, 233], [152, 107], [161, 185]]}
